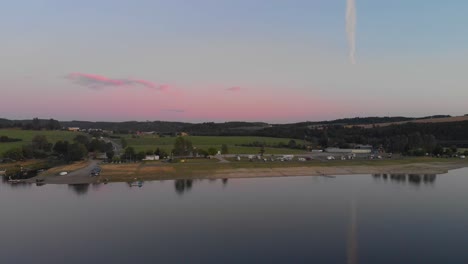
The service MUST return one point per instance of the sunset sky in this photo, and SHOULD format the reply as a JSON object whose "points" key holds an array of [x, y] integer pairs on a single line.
{"points": [[219, 60]]}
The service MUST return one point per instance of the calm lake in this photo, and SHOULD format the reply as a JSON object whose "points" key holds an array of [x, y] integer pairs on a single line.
{"points": [[346, 219]]}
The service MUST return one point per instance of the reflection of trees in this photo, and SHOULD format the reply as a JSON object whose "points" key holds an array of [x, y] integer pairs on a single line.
{"points": [[182, 186], [79, 189], [415, 179], [353, 245]]}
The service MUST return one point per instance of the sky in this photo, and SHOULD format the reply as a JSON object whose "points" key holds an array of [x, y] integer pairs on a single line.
{"points": [[217, 60]]}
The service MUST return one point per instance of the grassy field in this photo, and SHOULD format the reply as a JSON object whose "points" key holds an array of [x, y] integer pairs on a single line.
{"points": [[27, 136], [150, 142]]}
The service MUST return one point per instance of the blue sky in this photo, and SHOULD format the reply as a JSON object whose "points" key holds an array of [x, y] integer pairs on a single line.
{"points": [[288, 59]]}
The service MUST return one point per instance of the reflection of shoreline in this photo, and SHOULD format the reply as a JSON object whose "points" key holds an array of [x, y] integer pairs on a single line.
{"points": [[415, 179], [352, 246]]}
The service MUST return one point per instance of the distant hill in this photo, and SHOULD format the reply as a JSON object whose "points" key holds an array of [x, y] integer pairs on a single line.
{"points": [[431, 119]]}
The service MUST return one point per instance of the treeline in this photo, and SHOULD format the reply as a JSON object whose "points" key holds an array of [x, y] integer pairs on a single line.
{"points": [[292, 144], [130, 126], [6, 139], [182, 147], [76, 150], [404, 138], [34, 124]]}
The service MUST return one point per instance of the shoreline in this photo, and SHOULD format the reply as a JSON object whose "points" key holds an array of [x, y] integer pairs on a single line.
{"points": [[154, 172]]}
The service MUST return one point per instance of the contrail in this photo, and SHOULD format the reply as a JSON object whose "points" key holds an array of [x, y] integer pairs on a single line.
{"points": [[351, 29]]}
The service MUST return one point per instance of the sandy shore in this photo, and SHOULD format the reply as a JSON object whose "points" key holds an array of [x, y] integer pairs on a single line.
{"points": [[416, 168], [167, 171]]}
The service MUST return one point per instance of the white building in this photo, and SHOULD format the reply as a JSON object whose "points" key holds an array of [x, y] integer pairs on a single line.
{"points": [[151, 157]]}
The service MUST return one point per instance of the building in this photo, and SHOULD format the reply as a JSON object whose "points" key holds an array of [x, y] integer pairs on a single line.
{"points": [[74, 129], [151, 157]]}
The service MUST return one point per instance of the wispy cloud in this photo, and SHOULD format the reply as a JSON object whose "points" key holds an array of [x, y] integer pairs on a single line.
{"points": [[95, 81], [233, 89], [173, 110]]}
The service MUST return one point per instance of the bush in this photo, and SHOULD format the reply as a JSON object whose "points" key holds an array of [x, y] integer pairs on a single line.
{"points": [[14, 154], [4, 139]]}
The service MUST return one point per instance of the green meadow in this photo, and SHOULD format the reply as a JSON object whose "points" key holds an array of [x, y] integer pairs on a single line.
{"points": [[151, 142], [28, 135]]}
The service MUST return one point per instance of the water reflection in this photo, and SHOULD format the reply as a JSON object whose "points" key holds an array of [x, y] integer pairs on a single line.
{"points": [[352, 247], [414, 179], [182, 186], [79, 189]]}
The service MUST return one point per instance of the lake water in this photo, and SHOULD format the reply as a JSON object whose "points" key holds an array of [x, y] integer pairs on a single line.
{"points": [[347, 219]]}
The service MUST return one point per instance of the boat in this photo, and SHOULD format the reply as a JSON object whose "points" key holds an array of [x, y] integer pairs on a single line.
{"points": [[63, 173], [10, 180], [136, 184]]}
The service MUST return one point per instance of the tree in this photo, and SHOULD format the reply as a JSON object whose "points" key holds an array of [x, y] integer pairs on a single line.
{"points": [[76, 152], [53, 124], [82, 139], [36, 124], [110, 154], [212, 151], [262, 151], [41, 143], [203, 153], [123, 142], [454, 149], [14, 154], [141, 155], [108, 147], [157, 152], [61, 147], [28, 152], [292, 143], [224, 149], [182, 146], [438, 150], [129, 153]]}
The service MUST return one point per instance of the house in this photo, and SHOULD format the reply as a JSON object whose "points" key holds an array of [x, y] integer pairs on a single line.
{"points": [[151, 157], [74, 129]]}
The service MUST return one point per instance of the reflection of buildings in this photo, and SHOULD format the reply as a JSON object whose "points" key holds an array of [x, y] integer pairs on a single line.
{"points": [[416, 179], [79, 189], [352, 247]]}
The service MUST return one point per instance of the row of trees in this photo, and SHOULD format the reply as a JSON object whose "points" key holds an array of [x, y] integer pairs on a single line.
{"points": [[182, 147], [76, 150], [34, 124], [292, 144], [409, 138], [5, 139]]}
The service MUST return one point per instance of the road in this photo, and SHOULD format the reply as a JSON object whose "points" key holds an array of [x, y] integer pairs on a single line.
{"points": [[117, 147], [78, 176]]}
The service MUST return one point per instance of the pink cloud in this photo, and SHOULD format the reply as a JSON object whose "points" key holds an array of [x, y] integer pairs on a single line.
{"points": [[95, 81], [234, 89]]}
